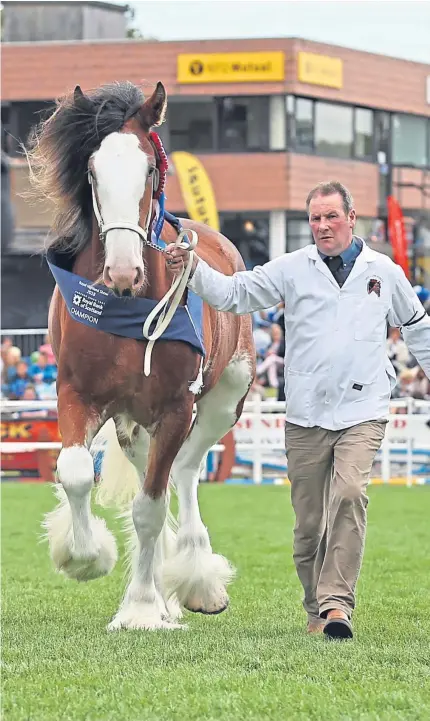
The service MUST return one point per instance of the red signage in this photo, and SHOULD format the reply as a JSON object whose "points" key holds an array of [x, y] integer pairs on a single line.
{"points": [[38, 463], [397, 233]]}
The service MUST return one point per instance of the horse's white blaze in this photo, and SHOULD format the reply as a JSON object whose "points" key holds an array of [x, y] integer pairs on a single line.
{"points": [[121, 170], [198, 576], [81, 546]]}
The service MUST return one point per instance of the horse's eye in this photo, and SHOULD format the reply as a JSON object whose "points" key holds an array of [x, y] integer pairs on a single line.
{"points": [[151, 170]]}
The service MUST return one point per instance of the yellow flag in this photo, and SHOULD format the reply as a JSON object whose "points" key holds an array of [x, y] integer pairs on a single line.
{"points": [[196, 189]]}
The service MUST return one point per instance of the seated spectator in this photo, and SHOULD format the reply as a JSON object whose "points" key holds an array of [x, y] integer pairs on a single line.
{"points": [[420, 385], [45, 391], [273, 363], [43, 367], [261, 341], [46, 348], [406, 382], [21, 380], [279, 316], [6, 344], [260, 320], [12, 358], [397, 350], [424, 296], [29, 393]]}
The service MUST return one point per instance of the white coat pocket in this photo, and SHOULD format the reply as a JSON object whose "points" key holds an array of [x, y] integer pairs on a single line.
{"points": [[298, 395]]}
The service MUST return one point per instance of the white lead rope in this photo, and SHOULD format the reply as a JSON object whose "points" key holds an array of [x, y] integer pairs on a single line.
{"points": [[163, 308]]}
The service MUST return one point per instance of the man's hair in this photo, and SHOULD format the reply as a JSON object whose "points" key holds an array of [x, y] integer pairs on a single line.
{"points": [[330, 188]]}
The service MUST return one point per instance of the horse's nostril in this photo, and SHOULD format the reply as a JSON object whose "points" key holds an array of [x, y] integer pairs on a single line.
{"points": [[126, 293], [138, 279], [106, 277]]}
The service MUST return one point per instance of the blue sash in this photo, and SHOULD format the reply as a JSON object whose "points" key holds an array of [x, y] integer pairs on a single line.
{"points": [[97, 307]]}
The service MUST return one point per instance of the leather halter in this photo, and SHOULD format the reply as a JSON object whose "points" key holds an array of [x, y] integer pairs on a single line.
{"points": [[144, 232]]}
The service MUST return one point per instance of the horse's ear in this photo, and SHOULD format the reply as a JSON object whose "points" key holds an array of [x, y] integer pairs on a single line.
{"points": [[153, 110], [81, 100], [78, 94]]}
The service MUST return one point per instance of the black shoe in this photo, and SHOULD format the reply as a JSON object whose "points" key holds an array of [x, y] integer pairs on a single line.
{"points": [[338, 625]]}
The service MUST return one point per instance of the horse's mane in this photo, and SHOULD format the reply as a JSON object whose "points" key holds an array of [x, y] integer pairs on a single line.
{"points": [[59, 150]]}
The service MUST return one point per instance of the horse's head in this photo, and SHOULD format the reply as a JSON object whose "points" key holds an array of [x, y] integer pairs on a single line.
{"points": [[124, 177]]}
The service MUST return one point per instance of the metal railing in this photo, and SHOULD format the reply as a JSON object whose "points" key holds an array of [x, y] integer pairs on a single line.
{"points": [[28, 339]]}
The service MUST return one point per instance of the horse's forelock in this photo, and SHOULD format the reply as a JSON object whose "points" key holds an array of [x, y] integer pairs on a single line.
{"points": [[60, 149]]}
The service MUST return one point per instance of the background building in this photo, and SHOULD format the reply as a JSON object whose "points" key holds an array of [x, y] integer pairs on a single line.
{"points": [[267, 119]]}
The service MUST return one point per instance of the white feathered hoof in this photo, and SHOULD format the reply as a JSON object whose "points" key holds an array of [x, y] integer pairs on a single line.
{"points": [[140, 616], [96, 559], [199, 579], [97, 563]]}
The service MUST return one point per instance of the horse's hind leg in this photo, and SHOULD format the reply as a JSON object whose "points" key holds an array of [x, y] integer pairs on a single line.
{"points": [[81, 546], [198, 576]]}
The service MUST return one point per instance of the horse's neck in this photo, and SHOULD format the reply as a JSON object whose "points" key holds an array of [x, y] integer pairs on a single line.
{"points": [[158, 278]]}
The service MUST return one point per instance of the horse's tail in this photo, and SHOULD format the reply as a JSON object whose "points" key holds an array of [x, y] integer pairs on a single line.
{"points": [[116, 478]]}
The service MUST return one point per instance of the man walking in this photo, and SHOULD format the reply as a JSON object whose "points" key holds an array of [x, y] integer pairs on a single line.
{"points": [[339, 295]]}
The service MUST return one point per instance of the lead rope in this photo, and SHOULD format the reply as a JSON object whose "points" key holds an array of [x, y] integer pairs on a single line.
{"points": [[163, 308]]}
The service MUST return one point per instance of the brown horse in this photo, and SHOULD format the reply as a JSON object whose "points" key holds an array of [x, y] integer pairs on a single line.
{"points": [[103, 229]]}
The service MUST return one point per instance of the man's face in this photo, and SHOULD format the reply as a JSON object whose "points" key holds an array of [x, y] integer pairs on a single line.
{"points": [[331, 227], [21, 369]]}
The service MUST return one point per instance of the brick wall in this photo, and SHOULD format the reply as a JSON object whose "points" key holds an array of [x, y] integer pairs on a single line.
{"points": [[39, 71]]}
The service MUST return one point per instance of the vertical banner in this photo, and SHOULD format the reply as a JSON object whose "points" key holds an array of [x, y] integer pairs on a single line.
{"points": [[397, 234], [196, 188]]}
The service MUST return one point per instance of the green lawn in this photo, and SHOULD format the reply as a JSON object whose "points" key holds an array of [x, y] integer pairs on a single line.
{"points": [[253, 662]]}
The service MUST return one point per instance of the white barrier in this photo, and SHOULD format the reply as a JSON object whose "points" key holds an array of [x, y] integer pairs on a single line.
{"points": [[260, 433]]}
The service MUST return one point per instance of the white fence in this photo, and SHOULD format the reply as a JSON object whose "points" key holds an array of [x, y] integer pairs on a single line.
{"points": [[259, 439], [28, 340]]}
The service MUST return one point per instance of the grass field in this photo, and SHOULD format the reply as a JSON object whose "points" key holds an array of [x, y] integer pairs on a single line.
{"points": [[253, 662]]}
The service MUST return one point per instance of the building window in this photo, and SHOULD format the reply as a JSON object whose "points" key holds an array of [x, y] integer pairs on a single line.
{"points": [[333, 130], [409, 140], [300, 124], [23, 117], [298, 234], [363, 133], [243, 123], [250, 234], [191, 124]]}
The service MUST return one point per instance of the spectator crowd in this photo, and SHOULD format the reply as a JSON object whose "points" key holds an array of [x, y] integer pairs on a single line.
{"points": [[28, 378]]}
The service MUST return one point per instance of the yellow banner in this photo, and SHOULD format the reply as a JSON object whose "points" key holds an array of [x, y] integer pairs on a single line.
{"points": [[196, 189], [257, 67], [320, 70]]}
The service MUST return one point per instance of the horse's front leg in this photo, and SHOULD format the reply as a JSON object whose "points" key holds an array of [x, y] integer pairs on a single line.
{"points": [[81, 546], [143, 606]]}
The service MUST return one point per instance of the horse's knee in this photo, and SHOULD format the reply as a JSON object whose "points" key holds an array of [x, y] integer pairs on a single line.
{"points": [[149, 514], [75, 468]]}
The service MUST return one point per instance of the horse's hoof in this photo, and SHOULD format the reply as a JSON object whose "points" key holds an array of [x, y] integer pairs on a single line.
{"points": [[142, 617], [209, 611]]}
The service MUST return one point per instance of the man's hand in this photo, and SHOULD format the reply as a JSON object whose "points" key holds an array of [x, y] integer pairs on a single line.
{"points": [[177, 259]]}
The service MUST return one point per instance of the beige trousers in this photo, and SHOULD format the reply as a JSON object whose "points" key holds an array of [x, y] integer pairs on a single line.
{"points": [[329, 472]]}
